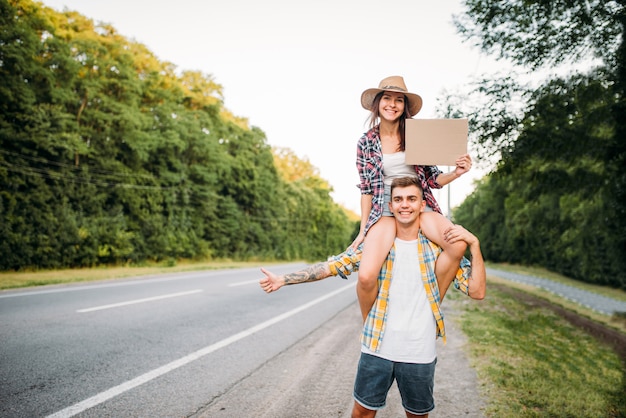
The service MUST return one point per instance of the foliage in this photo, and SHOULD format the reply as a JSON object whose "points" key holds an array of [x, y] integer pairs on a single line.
{"points": [[545, 204], [540, 32], [558, 195], [107, 156], [494, 119]]}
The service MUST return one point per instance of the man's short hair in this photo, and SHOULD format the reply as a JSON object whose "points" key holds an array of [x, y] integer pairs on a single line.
{"points": [[406, 182]]}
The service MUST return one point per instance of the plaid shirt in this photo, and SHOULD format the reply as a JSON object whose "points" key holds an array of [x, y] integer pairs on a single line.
{"points": [[374, 328], [369, 163]]}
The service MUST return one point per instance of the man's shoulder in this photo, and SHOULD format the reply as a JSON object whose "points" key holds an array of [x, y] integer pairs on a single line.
{"points": [[425, 241]]}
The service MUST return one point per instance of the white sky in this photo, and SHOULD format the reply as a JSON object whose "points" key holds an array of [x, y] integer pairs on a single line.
{"points": [[296, 69]]}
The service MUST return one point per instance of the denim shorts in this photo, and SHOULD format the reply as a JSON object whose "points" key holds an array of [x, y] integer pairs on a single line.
{"points": [[387, 211], [415, 382]]}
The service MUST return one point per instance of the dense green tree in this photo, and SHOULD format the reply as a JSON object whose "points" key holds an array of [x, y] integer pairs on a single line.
{"points": [[561, 175], [536, 33], [108, 156], [546, 202]]}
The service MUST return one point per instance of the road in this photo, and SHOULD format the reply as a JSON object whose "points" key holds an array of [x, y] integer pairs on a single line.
{"points": [[153, 346], [202, 344], [594, 301]]}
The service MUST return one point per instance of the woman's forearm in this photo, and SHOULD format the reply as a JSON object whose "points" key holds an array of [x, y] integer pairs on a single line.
{"points": [[446, 178]]}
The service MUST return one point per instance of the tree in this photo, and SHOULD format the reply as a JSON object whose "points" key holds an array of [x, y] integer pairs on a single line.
{"points": [[538, 33], [108, 156], [563, 154]]}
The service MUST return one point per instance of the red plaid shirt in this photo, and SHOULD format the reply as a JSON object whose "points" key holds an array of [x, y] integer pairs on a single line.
{"points": [[369, 163]]}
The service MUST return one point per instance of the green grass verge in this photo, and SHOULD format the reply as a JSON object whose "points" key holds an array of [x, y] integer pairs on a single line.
{"points": [[616, 321], [13, 280], [533, 363]]}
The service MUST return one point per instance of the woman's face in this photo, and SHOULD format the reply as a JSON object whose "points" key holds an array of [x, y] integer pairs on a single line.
{"points": [[391, 105]]}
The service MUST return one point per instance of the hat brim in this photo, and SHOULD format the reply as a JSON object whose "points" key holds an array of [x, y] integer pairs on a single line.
{"points": [[415, 101]]}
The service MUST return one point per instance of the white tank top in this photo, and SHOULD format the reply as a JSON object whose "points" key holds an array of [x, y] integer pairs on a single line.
{"points": [[410, 328], [394, 167]]}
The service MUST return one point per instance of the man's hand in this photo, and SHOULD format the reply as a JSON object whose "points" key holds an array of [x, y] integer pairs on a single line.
{"points": [[271, 282], [457, 233]]}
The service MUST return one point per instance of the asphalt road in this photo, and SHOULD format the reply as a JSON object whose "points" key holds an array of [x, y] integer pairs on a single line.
{"points": [[598, 303], [154, 346], [206, 344]]}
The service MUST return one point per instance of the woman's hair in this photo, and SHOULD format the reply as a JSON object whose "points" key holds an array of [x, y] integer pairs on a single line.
{"points": [[375, 116]]}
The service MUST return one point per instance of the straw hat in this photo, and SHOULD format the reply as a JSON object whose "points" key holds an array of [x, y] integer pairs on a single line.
{"points": [[393, 83]]}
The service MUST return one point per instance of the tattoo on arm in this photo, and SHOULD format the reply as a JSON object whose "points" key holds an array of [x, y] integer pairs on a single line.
{"points": [[314, 273]]}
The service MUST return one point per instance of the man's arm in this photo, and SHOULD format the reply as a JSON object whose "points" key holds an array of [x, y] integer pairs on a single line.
{"points": [[477, 286], [272, 282], [478, 281], [341, 265]]}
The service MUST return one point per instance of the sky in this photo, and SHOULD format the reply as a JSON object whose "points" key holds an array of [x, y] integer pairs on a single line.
{"points": [[296, 69]]}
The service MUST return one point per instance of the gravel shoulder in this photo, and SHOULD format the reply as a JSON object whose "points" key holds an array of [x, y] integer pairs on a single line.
{"points": [[314, 377]]}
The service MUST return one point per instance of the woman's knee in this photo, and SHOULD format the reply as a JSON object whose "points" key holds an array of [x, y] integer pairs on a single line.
{"points": [[368, 276]]}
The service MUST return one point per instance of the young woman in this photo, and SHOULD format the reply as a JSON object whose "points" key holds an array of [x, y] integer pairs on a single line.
{"points": [[380, 159]]}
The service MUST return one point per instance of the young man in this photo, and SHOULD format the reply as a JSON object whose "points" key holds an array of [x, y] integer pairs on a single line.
{"points": [[400, 331]]}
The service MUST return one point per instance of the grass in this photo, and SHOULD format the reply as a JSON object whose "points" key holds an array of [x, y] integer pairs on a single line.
{"points": [[616, 321], [532, 363], [13, 280]]}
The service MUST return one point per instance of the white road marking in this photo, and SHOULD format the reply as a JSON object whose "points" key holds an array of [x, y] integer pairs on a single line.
{"points": [[133, 302], [153, 374], [244, 283]]}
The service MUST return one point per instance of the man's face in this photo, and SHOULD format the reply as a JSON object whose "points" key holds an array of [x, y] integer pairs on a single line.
{"points": [[406, 204]]}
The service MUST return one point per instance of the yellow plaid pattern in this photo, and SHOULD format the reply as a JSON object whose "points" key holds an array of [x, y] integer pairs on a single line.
{"points": [[373, 330]]}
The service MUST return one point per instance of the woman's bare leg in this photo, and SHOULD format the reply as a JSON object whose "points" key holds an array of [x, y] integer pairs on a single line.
{"points": [[376, 246], [433, 225]]}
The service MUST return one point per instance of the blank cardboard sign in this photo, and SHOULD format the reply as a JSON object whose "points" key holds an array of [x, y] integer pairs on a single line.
{"points": [[435, 141]]}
